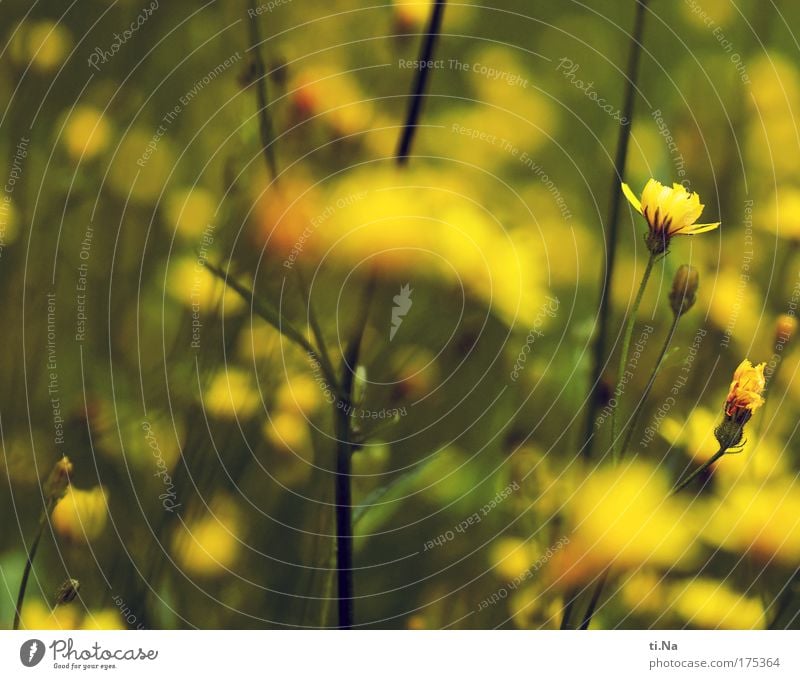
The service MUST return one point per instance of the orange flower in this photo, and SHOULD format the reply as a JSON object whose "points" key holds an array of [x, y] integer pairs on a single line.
{"points": [[746, 389]]}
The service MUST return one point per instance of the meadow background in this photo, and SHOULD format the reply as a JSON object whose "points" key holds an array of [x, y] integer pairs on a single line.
{"points": [[203, 441]]}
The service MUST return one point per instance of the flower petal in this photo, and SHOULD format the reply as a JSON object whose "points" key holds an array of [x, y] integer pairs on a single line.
{"points": [[701, 228], [631, 196]]}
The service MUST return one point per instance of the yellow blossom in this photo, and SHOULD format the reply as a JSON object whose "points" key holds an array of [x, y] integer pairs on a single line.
{"points": [[759, 518], [231, 394], [81, 515], [746, 389], [623, 517], [87, 133], [709, 604], [669, 212], [210, 545]]}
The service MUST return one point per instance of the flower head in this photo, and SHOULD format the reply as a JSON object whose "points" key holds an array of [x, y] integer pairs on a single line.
{"points": [[747, 387], [669, 212]]}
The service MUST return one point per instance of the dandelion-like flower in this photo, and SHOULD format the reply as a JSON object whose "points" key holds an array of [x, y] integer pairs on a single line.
{"points": [[745, 394], [669, 212]]}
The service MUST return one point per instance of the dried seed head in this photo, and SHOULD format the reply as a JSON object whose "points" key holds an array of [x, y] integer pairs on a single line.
{"points": [[684, 289]]}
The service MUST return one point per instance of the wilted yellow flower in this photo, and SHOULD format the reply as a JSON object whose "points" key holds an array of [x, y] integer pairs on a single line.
{"points": [[81, 515], [669, 212], [709, 604], [86, 133], [211, 544], [624, 517], [746, 388]]}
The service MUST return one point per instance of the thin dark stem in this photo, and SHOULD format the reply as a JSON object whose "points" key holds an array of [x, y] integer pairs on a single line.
{"points": [[260, 83], [634, 420], [623, 359], [418, 93], [601, 340], [23, 585], [344, 451], [598, 591], [680, 486], [567, 614]]}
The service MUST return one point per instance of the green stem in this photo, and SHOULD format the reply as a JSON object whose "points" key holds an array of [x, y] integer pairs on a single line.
{"points": [[607, 275], [23, 585], [623, 359], [634, 420], [680, 486], [281, 324], [260, 82]]}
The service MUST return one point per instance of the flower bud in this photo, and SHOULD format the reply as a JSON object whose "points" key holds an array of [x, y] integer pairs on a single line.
{"points": [[67, 591], [58, 481], [684, 289]]}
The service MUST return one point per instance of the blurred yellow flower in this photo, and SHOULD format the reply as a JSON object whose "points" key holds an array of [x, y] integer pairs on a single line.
{"points": [[81, 515], [103, 619], [759, 518], [694, 433], [746, 389], [42, 44], [645, 593], [37, 616], [210, 545], [190, 211], [9, 222], [511, 557], [624, 517], [708, 604], [231, 394], [669, 212], [86, 133], [781, 214], [300, 393], [194, 286]]}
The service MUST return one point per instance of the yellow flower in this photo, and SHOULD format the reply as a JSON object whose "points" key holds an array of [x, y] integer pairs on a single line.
{"points": [[709, 604], [210, 544], [759, 518], [623, 517], [231, 395], [669, 212], [746, 389], [81, 515], [87, 133]]}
